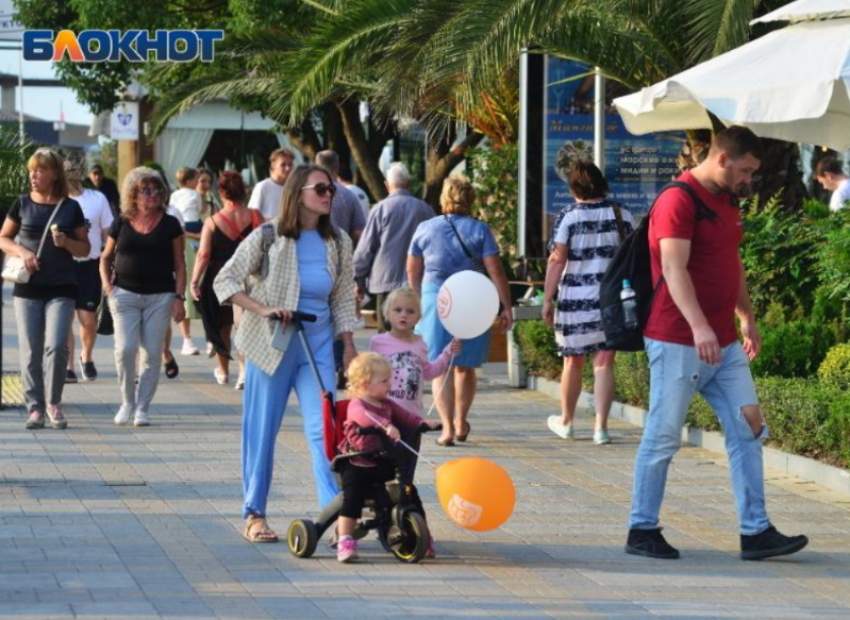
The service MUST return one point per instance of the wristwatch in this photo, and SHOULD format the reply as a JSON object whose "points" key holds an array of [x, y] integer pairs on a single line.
{"points": [[180, 296]]}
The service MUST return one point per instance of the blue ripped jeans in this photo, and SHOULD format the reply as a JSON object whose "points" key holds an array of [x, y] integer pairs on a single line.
{"points": [[676, 374]]}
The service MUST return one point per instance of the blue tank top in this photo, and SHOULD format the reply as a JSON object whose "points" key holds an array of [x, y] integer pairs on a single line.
{"points": [[316, 281]]}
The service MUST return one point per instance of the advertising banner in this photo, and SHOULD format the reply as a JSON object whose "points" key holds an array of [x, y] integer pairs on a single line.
{"points": [[636, 167]]}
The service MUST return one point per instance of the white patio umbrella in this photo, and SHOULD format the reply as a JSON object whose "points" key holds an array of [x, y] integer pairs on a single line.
{"points": [[806, 10], [792, 84]]}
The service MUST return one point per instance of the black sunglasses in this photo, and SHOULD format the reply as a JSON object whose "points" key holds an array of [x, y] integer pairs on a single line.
{"points": [[321, 189]]}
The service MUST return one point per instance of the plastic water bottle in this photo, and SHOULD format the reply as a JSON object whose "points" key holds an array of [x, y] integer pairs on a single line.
{"points": [[628, 298]]}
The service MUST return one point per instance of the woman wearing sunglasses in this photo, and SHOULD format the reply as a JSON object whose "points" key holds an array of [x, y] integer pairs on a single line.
{"points": [[145, 249], [306, 266]]}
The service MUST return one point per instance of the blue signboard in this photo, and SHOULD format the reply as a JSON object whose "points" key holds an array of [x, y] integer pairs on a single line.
{"points": [[636, 167]]}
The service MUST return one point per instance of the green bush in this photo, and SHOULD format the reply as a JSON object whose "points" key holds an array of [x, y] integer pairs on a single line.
{"points": [[835, 369], [805, 416], [793, 349], [631, 379], [539, 351]]}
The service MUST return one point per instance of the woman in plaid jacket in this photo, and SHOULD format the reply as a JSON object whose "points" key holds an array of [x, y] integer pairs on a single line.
{"points": [[303, 264]]}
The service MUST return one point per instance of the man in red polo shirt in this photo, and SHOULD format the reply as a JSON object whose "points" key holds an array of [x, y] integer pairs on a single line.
{"points": [[693, 346]]}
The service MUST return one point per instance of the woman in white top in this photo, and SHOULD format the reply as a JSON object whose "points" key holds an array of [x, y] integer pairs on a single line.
{"points": [[98, 216], [189, 202]]}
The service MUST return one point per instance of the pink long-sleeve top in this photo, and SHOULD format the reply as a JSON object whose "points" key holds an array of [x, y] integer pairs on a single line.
{"points": [[410, 367], [364, 414]]}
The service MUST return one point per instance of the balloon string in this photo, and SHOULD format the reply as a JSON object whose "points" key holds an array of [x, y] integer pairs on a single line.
{"points": [[442, 387], [400, 440]]}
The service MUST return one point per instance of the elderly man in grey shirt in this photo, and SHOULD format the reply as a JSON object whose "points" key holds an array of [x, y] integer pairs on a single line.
{"points": [[381, 255]]}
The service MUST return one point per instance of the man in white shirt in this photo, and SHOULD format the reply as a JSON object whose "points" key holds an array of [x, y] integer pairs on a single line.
{"points": [[98, 214], [267, 194], [830, 175]]}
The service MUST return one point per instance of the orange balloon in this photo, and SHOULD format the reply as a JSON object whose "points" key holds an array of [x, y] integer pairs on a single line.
{"points": [[476, 493]]}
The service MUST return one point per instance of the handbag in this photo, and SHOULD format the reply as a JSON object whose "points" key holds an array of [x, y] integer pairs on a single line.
{"points": [[103, 316], [477, 263], [13, 269]]}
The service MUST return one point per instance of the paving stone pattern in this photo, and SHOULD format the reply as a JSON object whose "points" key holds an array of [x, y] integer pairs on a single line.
{"points": [[122, 523]]}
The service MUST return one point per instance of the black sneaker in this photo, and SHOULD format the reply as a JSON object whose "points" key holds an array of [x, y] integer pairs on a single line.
{"points": [[88, 370], [70, 376], [770, 543], [651, 544]]}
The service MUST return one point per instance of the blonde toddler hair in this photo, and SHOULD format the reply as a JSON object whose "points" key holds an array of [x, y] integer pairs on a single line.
{"points": [[363, 370], [404, 291]]}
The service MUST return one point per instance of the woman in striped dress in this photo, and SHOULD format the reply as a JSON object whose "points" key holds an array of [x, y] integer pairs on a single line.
{"points": [[585, 238]]}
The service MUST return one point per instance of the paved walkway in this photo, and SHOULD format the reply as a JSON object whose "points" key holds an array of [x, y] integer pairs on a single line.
{"points": [[106, 522]]}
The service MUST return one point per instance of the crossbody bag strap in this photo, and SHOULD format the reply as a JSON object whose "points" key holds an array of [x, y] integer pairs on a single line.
{"points": [[47, 228], [459, 238], [618, 215]]}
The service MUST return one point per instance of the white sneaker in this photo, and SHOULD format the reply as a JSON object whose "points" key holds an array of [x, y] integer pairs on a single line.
{"points": [[564, 431], [141, 418], [123, 415], [189, 348], [601, 437]]}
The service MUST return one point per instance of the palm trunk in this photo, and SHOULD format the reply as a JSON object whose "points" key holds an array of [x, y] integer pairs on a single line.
{"points": [[359, 145]]}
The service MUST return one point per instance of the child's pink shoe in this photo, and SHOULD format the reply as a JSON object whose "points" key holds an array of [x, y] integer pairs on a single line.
{"points": [[346, 550], [431, 552]]}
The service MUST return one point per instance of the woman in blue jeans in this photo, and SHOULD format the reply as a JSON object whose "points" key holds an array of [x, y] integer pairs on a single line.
{"points": [[44, 306], [296, 261]]}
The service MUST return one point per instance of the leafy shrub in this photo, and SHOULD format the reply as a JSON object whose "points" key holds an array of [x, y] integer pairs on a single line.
{"points": [[793, 349], [779, 255], [539, 352], [631, 379], [833, 255], [835, 369]]}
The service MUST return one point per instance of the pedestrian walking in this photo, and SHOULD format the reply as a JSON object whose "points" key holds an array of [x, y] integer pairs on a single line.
{"points": [[380, 257], [693, 346], [267, 193], [440, 248], [145, 250], [98, 220], [46, 230], [298, 261], [584, 242], [222, 234]]}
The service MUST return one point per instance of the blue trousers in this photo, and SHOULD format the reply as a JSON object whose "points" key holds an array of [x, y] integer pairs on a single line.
{"points": [[675, 374], [263, 406]]}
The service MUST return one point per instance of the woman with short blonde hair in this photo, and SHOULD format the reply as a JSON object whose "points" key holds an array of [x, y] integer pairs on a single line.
{"points": [[442, 247]]}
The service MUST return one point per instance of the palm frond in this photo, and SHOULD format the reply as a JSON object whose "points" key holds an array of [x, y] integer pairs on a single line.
{"points": [[717, 26]]}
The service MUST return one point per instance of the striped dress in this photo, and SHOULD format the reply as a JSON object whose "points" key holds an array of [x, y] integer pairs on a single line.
{"points": [[589, 230]]}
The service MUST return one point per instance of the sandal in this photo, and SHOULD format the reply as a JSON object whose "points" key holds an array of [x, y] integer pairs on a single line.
{"points": [[462, 437], [445, 443], [171, 367], [256, 530]]}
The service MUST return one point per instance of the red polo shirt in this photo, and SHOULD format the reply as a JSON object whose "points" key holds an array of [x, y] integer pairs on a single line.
{"points": [[714, 264]]}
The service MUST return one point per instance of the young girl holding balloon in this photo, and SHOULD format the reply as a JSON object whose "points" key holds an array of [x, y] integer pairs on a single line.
{"points": [[407, 352], [369, 381]]}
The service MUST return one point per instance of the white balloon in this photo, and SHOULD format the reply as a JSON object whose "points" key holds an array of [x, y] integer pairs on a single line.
{"points": [[467, 304]]}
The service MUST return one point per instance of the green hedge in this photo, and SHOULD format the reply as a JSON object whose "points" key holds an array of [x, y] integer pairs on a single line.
{"points": [[804, 416]]}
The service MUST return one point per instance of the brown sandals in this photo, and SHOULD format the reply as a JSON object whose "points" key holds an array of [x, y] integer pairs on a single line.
{"points": [[257, 531]]}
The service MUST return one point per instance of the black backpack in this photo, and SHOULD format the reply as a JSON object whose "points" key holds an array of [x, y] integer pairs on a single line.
{"points": [[632, 263]]}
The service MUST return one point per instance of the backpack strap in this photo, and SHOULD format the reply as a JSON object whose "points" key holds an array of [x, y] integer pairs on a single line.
{"points": [[704, 212], [267, 231]]}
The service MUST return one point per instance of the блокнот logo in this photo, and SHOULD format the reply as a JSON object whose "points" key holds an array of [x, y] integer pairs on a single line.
{"points": [[115, 45]]}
